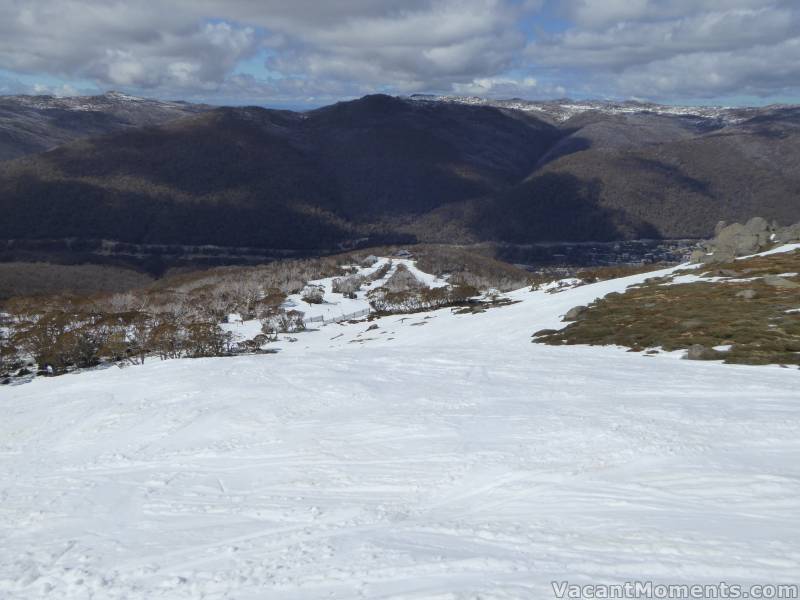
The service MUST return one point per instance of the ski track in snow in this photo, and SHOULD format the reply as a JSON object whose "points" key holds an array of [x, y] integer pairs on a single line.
{"points": [[439, 456]]}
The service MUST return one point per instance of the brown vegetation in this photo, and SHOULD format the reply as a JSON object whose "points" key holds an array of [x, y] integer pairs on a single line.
{"points": [[179, 315], [749, 308], [30, 279]]}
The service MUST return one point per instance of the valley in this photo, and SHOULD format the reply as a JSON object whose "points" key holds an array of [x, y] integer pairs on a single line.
{"points": [[389, 170]]}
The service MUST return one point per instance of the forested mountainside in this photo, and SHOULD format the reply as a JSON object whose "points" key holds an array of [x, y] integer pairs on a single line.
{"points": [[383, 169], [31, 124]]}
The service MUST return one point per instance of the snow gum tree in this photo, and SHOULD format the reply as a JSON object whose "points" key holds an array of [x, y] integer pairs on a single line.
{"points": [[8, 354], [313, 294]]}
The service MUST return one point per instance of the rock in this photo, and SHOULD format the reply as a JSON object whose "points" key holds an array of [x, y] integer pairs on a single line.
{"points": [[780, 282], [575, 313], [747, 294], [691, 324], [372, 327], [727, 273], [791, 233], [740, 241], [757, 225], [542, 332], [736, 239], [700, 352], [697, 255], [719, 255]]}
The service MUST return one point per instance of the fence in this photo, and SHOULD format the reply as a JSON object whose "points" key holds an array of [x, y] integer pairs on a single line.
{"points": [[336, 319]]}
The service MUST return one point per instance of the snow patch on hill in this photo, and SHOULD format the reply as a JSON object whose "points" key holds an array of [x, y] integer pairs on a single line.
{"points": [[563, 110]]}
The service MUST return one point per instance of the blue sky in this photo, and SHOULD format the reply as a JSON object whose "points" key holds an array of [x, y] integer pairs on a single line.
{"points": [[306, 53]]}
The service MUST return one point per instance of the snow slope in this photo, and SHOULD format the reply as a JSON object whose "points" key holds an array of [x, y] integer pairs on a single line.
{"points": [[437, 456], [337, 306]]}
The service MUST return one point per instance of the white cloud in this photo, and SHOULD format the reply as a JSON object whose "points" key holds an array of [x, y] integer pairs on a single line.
{"points": [[196, 44], [676, 48], [660, 49], [58, 90], [120, 44], [498, 86]]}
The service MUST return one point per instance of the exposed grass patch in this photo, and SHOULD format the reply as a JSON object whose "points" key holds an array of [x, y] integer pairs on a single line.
{"points": [[676, 316]]}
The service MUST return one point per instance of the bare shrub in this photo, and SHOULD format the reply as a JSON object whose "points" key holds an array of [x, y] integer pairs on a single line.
{"points": [[347, 286], [313, 294]]}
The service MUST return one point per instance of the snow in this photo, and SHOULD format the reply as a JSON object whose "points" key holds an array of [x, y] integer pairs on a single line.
{"points": [[779, 250], [437, 456], [243, 330], [337, 307], [563, 110], [692, 278], [687, 278]]}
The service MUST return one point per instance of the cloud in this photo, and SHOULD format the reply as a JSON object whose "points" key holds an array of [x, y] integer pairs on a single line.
{"points": [[677, 48], [406, 46], [195, 45], [119, 44], [764, 70], [310, 51]]}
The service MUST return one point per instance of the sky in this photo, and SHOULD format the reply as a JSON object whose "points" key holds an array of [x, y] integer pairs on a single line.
{"points": [[306, 53]]}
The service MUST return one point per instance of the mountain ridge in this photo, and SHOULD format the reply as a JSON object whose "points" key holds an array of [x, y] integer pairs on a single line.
{"points": [[32, 124], [385, 168]]}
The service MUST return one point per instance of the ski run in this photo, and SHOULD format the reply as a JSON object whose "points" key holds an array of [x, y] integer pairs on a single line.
{"points": [[436, 456]]}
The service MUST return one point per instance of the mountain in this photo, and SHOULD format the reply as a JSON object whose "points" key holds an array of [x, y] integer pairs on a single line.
{"points": [[559, 111], [386, 169], [271, 179], [30, 124], [636, 169]]}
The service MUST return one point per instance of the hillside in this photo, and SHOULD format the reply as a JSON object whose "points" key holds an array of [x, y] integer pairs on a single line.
{"points": [[383, 170], [32, 124], [272, 179], [676, 176], [744, 311], [419, 456]]}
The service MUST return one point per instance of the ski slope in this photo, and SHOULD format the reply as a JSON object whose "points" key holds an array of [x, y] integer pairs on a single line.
{"points": [[437, 456], [337, 306]]}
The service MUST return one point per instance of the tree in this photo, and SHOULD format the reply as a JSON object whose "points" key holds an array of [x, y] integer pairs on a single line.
{"points": [[8, 354], [206, 339], [255, 345], [269, 304], [347, 286], [281, 321], [80, 343], [41, 338], [166, 339], [313, 294]]}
